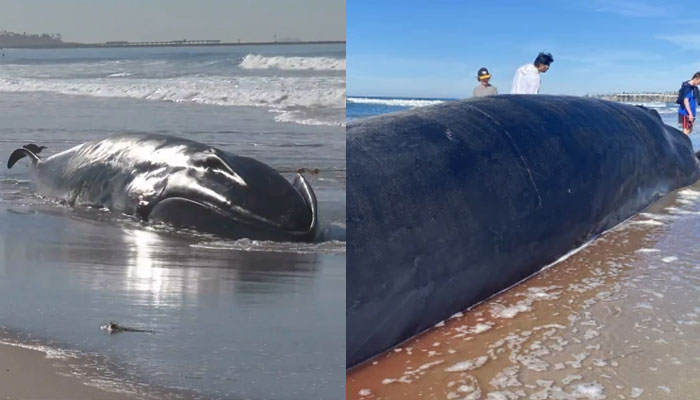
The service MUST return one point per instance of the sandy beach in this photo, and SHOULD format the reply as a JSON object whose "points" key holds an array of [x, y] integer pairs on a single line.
{"points": [[29, 374]]}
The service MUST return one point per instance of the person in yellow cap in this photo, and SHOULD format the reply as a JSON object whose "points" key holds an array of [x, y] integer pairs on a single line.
{"points": [[484, 88]]}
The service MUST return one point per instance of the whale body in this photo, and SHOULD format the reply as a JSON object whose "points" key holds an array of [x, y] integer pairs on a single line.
{"points": [[180, 182], [448, 205]]}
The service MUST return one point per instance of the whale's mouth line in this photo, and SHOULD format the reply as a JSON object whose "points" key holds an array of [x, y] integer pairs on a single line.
{"points": [[243, 216], [234, 214]]}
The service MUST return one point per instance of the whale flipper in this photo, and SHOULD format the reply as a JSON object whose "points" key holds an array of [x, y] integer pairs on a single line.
{"points": [[304, 188], [19, 154]]}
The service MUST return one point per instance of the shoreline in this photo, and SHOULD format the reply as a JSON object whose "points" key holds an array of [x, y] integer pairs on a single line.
{"points": [[104, 45], [68, 374], [21, 368]]}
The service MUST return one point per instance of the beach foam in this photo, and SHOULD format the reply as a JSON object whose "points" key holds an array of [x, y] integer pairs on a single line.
{"points": [[273, 93], [255, 61], [394, 102], [50, 352]]}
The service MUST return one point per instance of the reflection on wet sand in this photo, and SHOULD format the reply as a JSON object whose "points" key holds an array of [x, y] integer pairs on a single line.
{"points": [[155, 263], [619, 319], [212, 312], [144, 271], [163, 272]]}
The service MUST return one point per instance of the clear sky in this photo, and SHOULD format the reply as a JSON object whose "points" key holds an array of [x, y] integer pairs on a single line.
{"points": [[161, 20], [434, 48]]}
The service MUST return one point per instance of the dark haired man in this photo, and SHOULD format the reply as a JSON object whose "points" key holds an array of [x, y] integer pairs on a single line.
{"points": [[687, 100], [527, 77], [484, 88]]}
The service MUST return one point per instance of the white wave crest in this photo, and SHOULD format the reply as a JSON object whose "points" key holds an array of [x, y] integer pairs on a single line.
{"points": [[662, 108], [50, 352], [119, 75], [290, 93], [275, 93], [255, 61], [394, 102], [303, 118]]}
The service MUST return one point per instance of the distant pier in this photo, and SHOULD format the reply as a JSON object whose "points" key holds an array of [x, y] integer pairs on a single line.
{"points": [[151, 44], [11, 40], [175, 43], [645, 97]]}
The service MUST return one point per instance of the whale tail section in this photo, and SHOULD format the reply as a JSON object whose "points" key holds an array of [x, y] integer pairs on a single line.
{"points": [[21, 153], [36, 149]]}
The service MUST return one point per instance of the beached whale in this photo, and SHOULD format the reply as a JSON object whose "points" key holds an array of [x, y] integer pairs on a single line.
{"points": [[180, 182], [448, 205]]}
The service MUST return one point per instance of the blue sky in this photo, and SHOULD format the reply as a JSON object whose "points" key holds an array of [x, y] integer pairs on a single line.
{"points": [[434, 48]]}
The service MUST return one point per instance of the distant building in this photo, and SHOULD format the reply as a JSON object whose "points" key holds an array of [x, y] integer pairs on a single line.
{"points": [[641, 97], [11, 39]]}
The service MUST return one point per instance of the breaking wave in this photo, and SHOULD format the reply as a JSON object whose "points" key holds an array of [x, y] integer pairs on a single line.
{"points": [[255, 61], [274, 93], [394, 102]]}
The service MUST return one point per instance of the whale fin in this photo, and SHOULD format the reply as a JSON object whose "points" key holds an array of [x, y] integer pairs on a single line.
{"points": [[34, 148], [304, 188], [19, 154]]}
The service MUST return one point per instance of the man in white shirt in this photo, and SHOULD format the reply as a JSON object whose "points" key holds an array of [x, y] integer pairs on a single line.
{"points": [[527, 77]]}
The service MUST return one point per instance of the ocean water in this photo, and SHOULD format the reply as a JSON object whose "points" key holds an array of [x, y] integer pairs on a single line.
{"points": [[222, 319], [366, 106], [303, 84]]}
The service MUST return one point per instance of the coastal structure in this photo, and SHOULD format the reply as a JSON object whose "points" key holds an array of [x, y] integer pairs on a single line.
{"points": [[641, 97], [184, 42], [25, 40], [12, 39]]}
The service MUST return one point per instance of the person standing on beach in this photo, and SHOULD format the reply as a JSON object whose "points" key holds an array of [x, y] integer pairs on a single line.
{"points": [[527, 77], [687, 100], [485, 88]]}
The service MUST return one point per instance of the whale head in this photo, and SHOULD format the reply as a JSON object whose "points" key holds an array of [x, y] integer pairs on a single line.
{"points": [[234, 196]]}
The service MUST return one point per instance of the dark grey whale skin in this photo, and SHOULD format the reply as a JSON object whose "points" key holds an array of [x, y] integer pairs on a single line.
{"points": [[450, 204], [180, 182]]}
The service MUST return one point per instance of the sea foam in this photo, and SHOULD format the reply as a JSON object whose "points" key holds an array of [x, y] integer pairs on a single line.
{"points": [[272, 93], [394, 102], [255, 61]]}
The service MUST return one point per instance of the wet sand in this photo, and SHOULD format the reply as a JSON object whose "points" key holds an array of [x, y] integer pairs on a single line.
{"points": [[620, 319], [29, 374]]}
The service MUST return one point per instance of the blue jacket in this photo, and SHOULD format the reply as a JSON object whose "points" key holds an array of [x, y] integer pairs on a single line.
{"points": [[689, 92]]}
